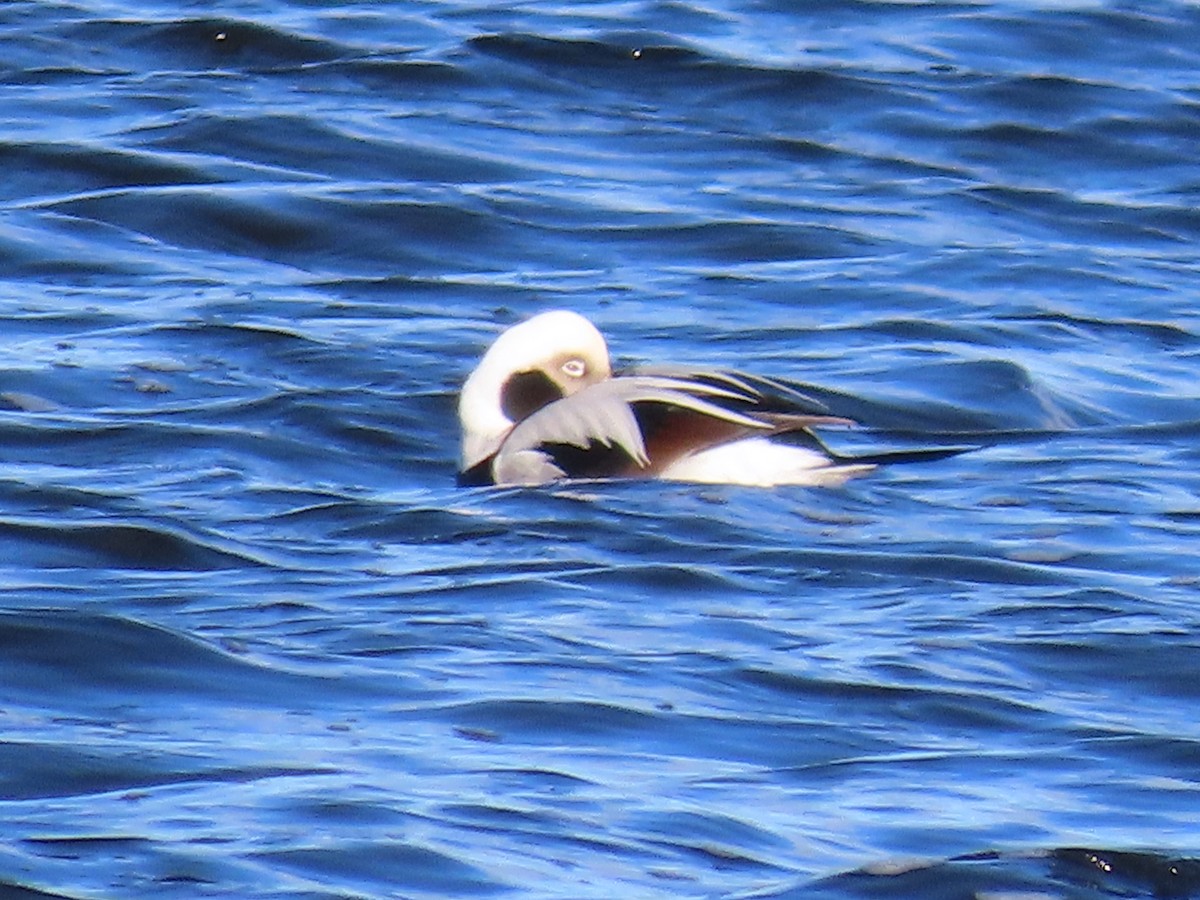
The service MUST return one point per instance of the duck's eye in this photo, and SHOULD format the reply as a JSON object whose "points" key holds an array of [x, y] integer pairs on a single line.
{"points": [[574, 368]]}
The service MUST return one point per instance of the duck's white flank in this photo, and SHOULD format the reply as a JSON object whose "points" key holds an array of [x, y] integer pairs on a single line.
{"points": [[761, 462]]}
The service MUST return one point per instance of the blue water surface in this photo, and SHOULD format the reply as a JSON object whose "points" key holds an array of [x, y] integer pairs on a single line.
{"points": [[254, 642]]}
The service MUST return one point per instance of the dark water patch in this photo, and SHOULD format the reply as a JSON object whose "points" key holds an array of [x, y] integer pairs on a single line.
{"points": [[949, 397], [141, 865], [827, 97], [565, 215], [88, 658], [540, 720], [259, 226], [40, 246], [762, 741], [1155, 335], [313, 232], [1061, 97], [1156, 145], [205, 45], [60, 321], [804, 150], [1047, 280], [1071, 41], [1107, 155], [721, 840], [959, 711], [53, 545], [499, 818], [1058, 213], [1179, 221], [374, 435], [43, 771], [663, 579], [79, 847], [933, 565], [649, 65], [40, 169], [412, 526], [840, 14], [401, 78], [927, 333], [1162, 664], [650, 56], [831, 162], [426, 632], [555, 835], [99, 441], [387, 866], [1085, 609], [1072, 873], [351, 811], [519, 781], [58, 75], [1033, 145], [1184, 429], [49, 500], [317, 148], [1170, 126], [1159, 35], [273, 337], [16, 891], [338, 446], [736, 242], [1146, 752]]}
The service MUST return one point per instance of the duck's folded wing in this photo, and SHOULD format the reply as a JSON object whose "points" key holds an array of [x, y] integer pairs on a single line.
{"points": [[635, 425], [753, 392]]}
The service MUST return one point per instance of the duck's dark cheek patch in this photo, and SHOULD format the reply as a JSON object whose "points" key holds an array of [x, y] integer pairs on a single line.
{"points": [[527, 392]]}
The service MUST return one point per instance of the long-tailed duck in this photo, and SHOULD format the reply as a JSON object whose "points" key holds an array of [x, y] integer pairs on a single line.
{"points": [[544, 405]]}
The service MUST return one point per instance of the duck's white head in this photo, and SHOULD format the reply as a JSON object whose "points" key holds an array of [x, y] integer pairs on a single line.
{"points": [[551, 356]]}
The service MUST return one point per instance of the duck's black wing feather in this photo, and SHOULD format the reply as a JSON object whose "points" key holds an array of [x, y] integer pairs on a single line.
{"points": [[750, 393]]}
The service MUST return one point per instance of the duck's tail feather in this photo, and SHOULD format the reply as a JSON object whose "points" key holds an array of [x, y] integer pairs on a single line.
{"points": [[890, 457]]}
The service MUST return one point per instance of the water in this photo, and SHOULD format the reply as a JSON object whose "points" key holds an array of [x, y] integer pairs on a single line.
{"points": [[255, 643]]}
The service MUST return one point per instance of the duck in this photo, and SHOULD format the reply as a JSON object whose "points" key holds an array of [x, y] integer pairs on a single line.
{"points": [[544, 405]]}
